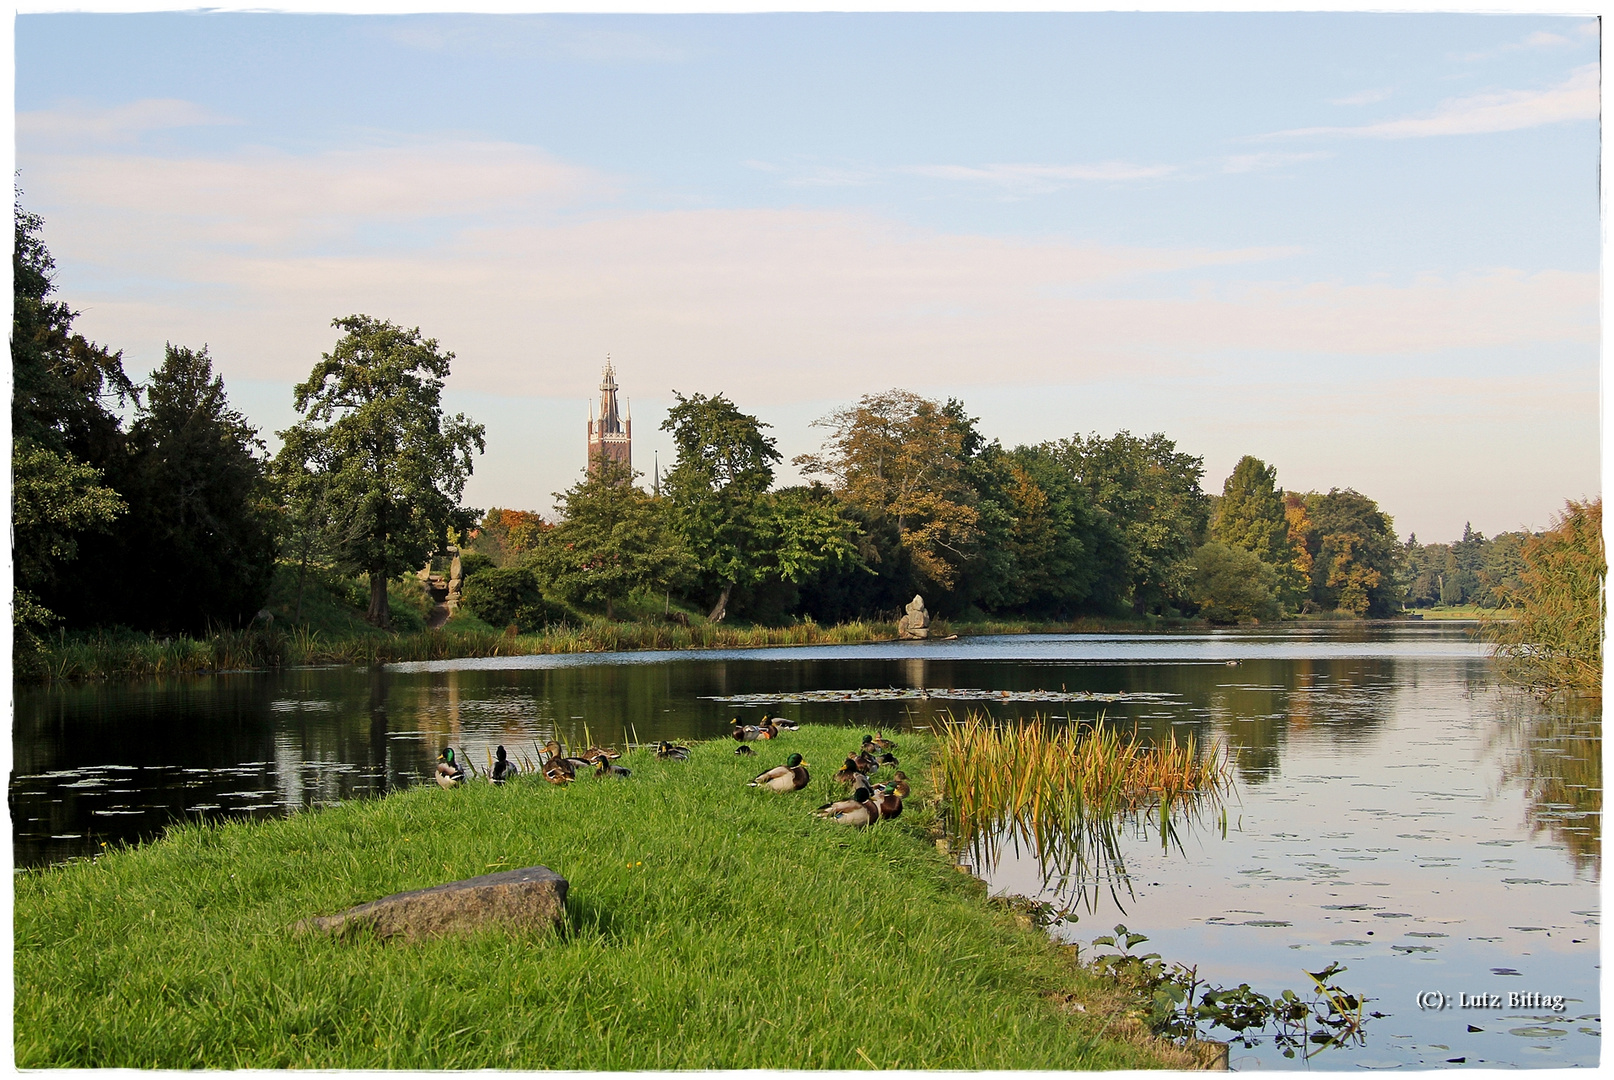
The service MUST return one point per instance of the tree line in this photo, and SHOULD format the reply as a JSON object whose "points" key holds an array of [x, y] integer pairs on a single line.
{"points": [[157, 507], [907, 496]]}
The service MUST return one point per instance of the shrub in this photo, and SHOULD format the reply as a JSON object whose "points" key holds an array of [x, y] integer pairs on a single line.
{"points": [[1232, 585], [1555, 639], [501, 596]]}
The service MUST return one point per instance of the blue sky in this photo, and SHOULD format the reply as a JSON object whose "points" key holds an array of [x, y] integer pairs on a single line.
{"points": [[1362, 247]]}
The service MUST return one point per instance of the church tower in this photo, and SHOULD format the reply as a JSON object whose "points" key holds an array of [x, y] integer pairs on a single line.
{"points": [[609, 436]]}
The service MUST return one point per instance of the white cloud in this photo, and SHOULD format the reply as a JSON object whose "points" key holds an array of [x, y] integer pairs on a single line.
{"points": [[1576, 98], [1540, 39], [272, 199], [254, 256], [1364, 97], [77, 123], [1243, 163], [1042, 177]]}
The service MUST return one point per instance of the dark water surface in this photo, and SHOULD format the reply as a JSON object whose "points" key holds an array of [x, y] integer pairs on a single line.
{"points": [[1396, 810]]}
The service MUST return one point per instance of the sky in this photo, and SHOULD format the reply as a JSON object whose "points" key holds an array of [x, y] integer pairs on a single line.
{"points": [[1363, 247]]}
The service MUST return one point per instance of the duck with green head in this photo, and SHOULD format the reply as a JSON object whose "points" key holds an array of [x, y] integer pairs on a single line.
{"points": [[604, 769], [449, 773], [791, 776]]}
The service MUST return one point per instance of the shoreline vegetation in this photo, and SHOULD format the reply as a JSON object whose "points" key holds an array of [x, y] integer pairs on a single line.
{"points": [[133, 655], [708, 925]]}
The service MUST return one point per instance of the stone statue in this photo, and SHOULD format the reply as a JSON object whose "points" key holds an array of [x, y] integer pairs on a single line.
{"points": [[915, 625]]}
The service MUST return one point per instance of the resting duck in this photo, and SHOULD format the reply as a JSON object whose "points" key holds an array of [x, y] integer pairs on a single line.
{"points": [[503, 767], [785, 725], [849, 773], [859, 815], [744, 751], [859, 797], [449, 773], [898, 783], [866, 763], [890, 759], [604, 768], [594, 752], [889, 804], [666, 751], [552, 748], [791, 776], [743, 733], [881, 742], [560, 771]]}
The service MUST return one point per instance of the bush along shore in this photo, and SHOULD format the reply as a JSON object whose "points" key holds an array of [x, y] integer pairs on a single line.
{"points": [[709, 925]]}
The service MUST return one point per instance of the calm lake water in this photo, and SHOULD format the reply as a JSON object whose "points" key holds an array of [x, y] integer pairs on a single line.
{"points": [[1396, 810]]}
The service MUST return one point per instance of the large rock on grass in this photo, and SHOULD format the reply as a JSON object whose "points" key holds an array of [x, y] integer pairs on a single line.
{"points": [[532, 898]]}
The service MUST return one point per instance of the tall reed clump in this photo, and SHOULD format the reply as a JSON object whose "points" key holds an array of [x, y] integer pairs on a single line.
{"points": [[1065, 790], [1550, 634]]}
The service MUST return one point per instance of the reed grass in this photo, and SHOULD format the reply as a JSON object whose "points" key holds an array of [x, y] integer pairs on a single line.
{"points": [[710, 925], [1065, 791], [1549, 633]]}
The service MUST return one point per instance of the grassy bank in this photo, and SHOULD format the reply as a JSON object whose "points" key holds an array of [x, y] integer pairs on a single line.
{"points": [[710, 925]]}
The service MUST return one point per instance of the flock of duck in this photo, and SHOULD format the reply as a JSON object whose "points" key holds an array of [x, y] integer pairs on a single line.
{"points": [[867, 803]]}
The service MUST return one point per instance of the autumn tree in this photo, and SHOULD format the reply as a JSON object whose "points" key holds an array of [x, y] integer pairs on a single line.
{"points": [[1355, 558], [390, 465], [1554, 640], [901, 458]]}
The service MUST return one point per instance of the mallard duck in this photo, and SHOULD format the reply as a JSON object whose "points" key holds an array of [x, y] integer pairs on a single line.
{"points": [[864, 813], [889, 804], [666, 751], [897, 783], [449, 773], [552, 748], [786, 725], [881, 742], [791, 776], [866, 763], [503, 767], [594, 752], [860, 796], [603, 768], [849, 773], [560, 771], [744, 751], [743, 733], [890, 759]]}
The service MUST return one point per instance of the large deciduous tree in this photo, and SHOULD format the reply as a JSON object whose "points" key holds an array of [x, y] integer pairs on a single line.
{"points": [[717, 490], [1150, 493], [390, 465], [1355, 557], [613, 539], [63, 431], [899, 457], [1250, 516]]}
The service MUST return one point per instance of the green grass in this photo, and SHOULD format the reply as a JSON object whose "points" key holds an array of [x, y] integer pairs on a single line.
{"points": [[710, 925]]}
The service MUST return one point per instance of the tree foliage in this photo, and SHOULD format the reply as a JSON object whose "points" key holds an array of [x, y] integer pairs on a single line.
{"points": [[900, 457], [200, 498], [392, 467], [1354, 556], [1250, 516], [1151, 496], [717, 491], [613, 539], [1232, 585], [1555, 639]]}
